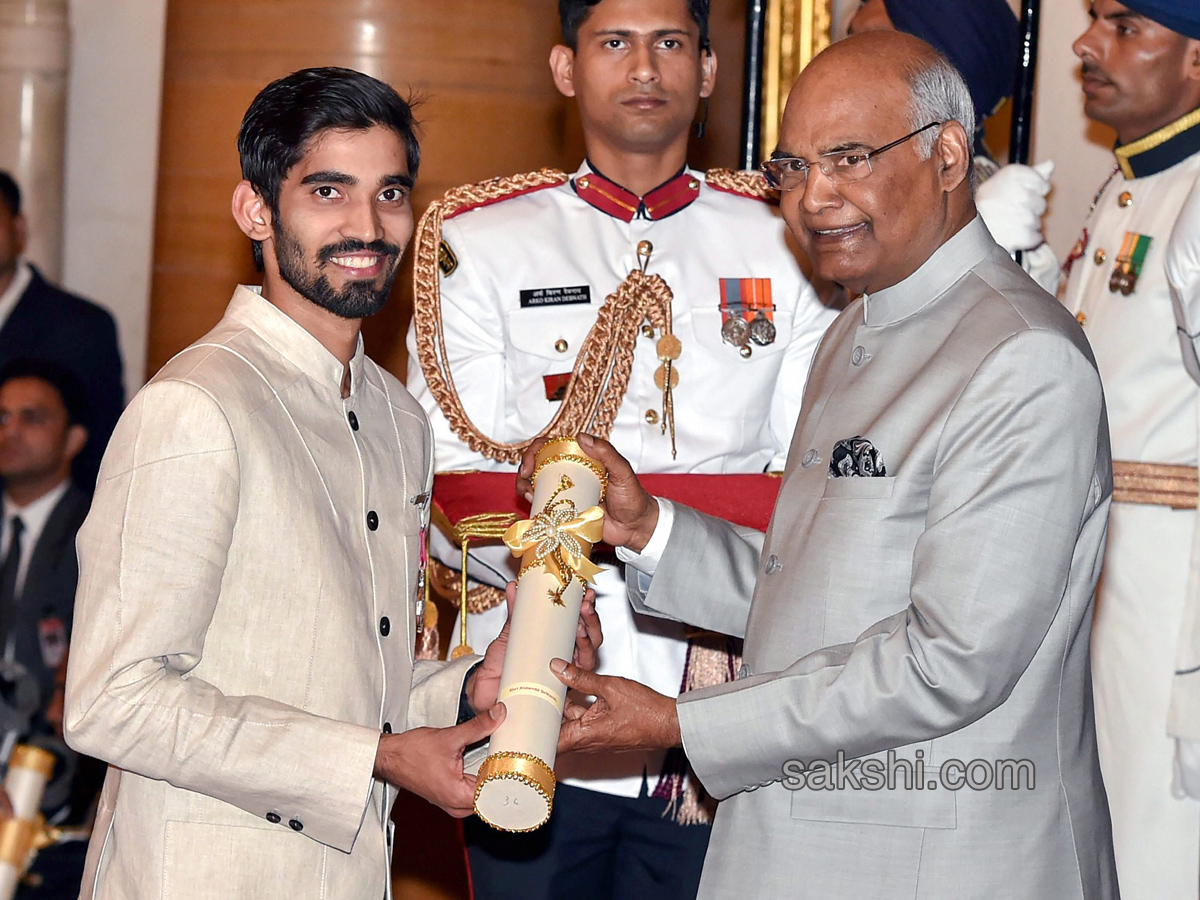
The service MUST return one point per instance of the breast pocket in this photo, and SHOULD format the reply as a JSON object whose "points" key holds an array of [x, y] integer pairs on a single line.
{"points": [[858, 488], [706, 332], [551, 332]]}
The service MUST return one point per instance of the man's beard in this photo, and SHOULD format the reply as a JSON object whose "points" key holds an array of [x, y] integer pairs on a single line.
{"points": [[356, 300]]}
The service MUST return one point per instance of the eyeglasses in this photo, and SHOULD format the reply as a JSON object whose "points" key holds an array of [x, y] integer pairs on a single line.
{"points": [[787, 173]]}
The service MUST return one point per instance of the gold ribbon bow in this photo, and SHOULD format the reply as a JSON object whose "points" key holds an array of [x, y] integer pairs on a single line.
{"points": [[561, 540]]}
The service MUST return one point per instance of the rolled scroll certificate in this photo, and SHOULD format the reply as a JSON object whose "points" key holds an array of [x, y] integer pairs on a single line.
{"points": [[515, 787], [29, 768]]}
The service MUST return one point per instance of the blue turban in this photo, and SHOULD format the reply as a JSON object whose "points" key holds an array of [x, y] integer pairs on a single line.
{"points": [[982, 38], [1182, 16]]}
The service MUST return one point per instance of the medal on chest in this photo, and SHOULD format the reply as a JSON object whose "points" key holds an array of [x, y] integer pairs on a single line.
{"points": [[1128, 267], [747, 313]]}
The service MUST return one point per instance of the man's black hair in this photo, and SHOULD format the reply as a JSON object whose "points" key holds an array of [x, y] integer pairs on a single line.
{"points": [[68, 386], [288, 113], [573, 13], [10, 194]]}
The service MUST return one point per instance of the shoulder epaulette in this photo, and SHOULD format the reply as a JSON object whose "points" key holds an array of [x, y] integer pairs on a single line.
{"points": [[745, 184], [459, 200]]}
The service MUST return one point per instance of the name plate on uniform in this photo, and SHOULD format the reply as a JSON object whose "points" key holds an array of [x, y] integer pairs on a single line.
{"points": [[555, 296]]}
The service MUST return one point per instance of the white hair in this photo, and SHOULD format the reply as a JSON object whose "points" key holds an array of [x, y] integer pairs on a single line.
{"points": [[939, 94]]}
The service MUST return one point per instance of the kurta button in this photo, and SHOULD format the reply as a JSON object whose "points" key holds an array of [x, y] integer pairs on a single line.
{"points": [[387, 727], [561, 346], [773, 564], [353, 420], [1100, 257], [857, 356], [274, 818], [385, 626], [743, 672], [296, 825], [372, 520], [651, 417], [809, 458]]}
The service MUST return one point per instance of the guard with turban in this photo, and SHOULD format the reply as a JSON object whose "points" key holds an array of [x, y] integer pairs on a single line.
{"points": [[982, 39], [1133, 282]]}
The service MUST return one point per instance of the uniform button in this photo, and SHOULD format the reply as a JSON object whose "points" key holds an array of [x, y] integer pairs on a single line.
{"points": [[296, 825], [651, 417], [274, 818], [773, 564], [387, 727], [858, 355], [561, 346], [743, 672], [1125, 200], [745, 350], [809, 458], [648, 330], [372, 520], [1081, 318], [1100, 257], [353, 420], [385, 626]]}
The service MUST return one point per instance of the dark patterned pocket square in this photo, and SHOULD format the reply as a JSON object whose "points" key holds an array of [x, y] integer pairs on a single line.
{"points": [[856, 457]]}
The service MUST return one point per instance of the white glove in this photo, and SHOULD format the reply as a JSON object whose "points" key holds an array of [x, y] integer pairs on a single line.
{"points": [[1012, 203], [1187, 769]]}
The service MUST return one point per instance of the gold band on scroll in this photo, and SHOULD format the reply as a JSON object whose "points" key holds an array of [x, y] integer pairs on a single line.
{"points": [[27, 756], [523, 767], [565, 449], [16, 841]]}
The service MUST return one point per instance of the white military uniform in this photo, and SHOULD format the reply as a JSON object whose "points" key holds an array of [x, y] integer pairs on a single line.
{"points": [[532, 272], [1153, 406]]}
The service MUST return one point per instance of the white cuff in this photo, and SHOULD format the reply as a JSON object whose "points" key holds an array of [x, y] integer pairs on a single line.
{"points": [[646, 562]]}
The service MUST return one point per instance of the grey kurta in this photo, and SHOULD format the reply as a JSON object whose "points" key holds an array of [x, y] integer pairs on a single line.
{"points": [[944, 609], [251, 532]]}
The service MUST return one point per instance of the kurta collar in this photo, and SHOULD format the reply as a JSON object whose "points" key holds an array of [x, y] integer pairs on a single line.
{"points": [[609, 197], [947, 265], [1161, 149], [285, 335]]}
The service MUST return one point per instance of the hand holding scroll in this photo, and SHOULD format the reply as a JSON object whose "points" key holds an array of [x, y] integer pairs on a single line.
{"points": [[630, 511], [625, 715]]}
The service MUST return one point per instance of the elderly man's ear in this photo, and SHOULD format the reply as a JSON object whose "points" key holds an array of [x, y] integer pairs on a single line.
{"points": [[953, 149]]}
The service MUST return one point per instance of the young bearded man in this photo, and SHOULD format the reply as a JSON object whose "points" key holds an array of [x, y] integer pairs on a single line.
{"points": [[250, 572]]}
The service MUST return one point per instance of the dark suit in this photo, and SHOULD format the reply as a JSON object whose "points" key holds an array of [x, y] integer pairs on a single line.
{"points": [[49, 324]]}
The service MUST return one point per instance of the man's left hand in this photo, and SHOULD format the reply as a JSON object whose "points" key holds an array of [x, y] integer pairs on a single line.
{"points": [[483, 687], [626, 715]]}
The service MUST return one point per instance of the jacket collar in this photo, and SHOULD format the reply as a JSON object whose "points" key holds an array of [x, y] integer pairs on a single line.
{"points": [[950, 262], [1161, 149], [609, 197], [292, 341]]}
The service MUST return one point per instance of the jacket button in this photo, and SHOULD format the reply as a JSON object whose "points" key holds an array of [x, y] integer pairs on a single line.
{"points": [[353, 420], [810, 458], [385, 626], [743, 672], [858, 355], [1101, 257], [773, 564], [274, 818], [387, 727], [372, 520], [561, 346], [296, 825], [651, 417]]}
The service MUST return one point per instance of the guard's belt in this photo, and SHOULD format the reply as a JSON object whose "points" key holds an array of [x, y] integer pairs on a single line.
{"points": [[1155, 484]]}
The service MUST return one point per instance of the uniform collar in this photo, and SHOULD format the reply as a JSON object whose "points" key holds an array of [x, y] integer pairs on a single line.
{"points": [[287, 336], [950, 262], [609, 197], [1161, 149]]}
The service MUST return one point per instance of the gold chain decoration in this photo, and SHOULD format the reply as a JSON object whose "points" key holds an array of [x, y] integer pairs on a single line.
{"points": [[560, 539], [752, 183], [601, 374]]}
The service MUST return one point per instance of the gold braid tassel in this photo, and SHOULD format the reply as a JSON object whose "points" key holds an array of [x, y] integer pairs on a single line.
{"points": [[601, 374]]}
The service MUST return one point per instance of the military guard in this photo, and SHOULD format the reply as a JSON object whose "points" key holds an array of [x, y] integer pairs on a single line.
{"points": [[1141, 76], [635, 296]]}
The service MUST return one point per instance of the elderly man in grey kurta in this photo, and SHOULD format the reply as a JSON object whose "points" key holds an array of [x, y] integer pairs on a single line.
{"points": [[921, 603], [250, 571]]}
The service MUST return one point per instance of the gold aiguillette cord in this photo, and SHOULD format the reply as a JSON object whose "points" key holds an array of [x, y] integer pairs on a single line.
{"points": [[668, 349]]}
